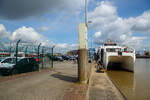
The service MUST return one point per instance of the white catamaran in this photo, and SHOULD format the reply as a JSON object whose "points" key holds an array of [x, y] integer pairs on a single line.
{"points": [[111, 53]]}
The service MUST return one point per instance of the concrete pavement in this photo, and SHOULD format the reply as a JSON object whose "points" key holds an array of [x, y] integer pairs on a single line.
{"points": [[101, 88], [50, 85], [59, 84]]}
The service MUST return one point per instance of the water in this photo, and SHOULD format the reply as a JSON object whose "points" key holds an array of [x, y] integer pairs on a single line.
{"points": [[135, 86]]}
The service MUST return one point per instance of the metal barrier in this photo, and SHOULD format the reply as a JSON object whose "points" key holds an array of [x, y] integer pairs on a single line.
{"points": [[42, 54], [45, 61]]}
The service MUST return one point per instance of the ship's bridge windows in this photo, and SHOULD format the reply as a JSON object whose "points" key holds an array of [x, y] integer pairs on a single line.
{"points": [[110, 50], [113, 49], [118, 49], [128, 50]]}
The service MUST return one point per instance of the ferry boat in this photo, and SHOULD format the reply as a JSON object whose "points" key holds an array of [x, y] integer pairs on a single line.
{"points": [[110, 53]]}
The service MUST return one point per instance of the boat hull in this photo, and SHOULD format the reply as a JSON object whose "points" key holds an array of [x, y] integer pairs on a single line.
{"points": [[126, 62]]}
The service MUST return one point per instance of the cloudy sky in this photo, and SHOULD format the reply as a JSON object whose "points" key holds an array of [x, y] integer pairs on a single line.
{"points": [[55, 22]]}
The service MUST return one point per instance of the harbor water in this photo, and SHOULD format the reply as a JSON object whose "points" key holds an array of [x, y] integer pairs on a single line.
{"points": [[134, 86]]}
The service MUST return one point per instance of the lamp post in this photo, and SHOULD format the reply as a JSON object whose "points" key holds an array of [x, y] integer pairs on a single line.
{"points": [[86, 10]]}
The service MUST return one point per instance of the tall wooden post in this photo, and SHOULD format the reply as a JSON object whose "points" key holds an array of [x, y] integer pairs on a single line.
{"points": [[82, 54]]}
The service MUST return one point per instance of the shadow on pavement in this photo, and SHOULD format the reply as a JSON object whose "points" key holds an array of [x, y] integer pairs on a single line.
{"points": [[65, 78]]}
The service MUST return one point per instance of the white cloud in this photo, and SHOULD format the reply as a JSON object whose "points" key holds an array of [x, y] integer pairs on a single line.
{"points": [[29, 37], [135, 40], [97, 34], [106, 21], [3, 32], [67, 46], [28, 34], [43, 28], [142, 23], [103, 14], [64, 47]]}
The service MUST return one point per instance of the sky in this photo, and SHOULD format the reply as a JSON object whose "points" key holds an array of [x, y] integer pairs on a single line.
{"points": [[55, 22]]}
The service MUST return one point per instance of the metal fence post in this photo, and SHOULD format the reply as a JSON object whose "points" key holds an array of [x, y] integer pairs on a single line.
{"points": [[39, 55], [52, 56], [42, 58], [17, 50], [26, 51], [10, 49]]}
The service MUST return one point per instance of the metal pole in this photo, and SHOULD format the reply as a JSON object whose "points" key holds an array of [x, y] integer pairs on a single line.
{"points": [[26, 51], [10, 49], [42, 58], [91, 47], [17, 50], [39, 55], [52, 56], [39, 50], [86, 10]]}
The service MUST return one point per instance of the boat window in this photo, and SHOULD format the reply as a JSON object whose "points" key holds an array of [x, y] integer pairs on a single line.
{"points": [[128, 50], [113, 49], [110, 50], [117, 49]]}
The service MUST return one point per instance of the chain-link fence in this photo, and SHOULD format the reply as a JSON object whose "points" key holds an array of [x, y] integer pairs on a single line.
{"points": [[43, 55], [46, 60]]}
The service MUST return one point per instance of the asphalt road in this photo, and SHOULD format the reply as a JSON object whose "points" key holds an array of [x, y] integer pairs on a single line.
{"points": [[41, 86]]}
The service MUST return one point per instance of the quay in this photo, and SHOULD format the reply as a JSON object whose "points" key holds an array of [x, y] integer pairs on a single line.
{"points": [[58, 84], [102, 88], [138, 57]]}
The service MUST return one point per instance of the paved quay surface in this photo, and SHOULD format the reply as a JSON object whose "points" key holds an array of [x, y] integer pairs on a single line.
{"points": [[58, 84], [101, 88]]}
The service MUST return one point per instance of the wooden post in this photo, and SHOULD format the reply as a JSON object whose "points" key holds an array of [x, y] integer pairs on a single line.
{"points": [[82, 54]]}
